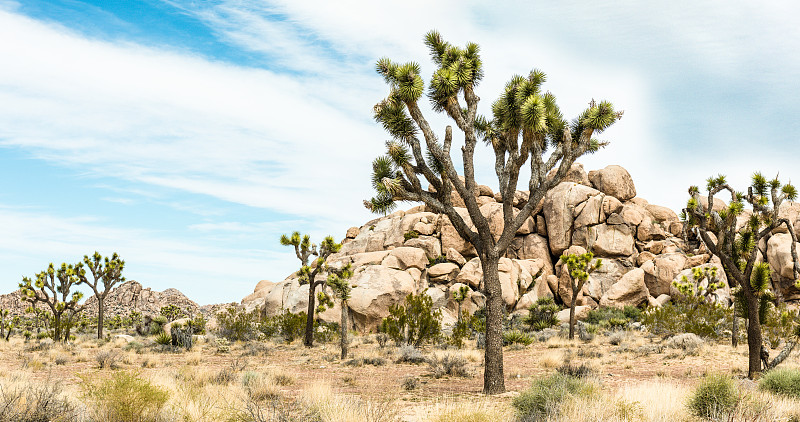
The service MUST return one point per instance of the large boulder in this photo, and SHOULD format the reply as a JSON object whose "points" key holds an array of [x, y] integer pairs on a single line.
{"points": [[256, 299], [376, 288], [660, 272], [431, 245], [451, 238], [575, 174], [615, 181], [443, 273], [629, 290], [779, 254], [558, 206]]}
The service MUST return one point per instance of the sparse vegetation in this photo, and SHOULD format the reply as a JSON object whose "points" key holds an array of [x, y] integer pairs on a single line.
{"points": [[784, 381], [413, 323], [716, 394], [542, 314], [544, 399]]}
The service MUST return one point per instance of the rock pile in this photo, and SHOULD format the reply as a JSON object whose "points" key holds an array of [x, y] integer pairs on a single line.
{"points": [[122, 300], [418, 251]]}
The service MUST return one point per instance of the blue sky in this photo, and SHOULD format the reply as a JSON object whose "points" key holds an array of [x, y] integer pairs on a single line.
{"points": [[187, 136]]}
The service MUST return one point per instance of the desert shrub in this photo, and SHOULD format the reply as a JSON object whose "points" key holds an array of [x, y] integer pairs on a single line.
{"points": [[125, 397], [410, 383], [617, 338], [693, 310], [714, 395], [441, 259], [785, 382], [107, 358], [411, 234], [374, 361], [778, 325], [448, 365], [542, 314], [576, 371], [461, 330], [610, 317], [236, 324], [223, 345], [325, 332], [410, 354], [36, 403], [516, 337], [198, 324], [545, 396], [291, 326], [688, 342], [413, 323]]}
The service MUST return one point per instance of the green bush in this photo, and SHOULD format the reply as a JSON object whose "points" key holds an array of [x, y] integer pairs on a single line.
{"points": [[411, 234], [198, 324], [235, 324], [543, 400], [461, 330], [291, 326], [702, 318], [125, 397], [163, 338], [613, 317], [542, 314], [516, 337], [716, 394], [785, 382], [415, 323], [441, 259]]}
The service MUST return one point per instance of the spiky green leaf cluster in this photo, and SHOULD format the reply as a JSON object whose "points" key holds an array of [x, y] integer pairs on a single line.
{"points": [[581, 265], [457, 69]]}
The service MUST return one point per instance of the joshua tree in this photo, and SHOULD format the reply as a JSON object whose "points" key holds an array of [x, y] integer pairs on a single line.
{"points": [[579, 266], [339, 282], [52, 287], [107, 271], [304, 249], [739, 251], [527, 125]]}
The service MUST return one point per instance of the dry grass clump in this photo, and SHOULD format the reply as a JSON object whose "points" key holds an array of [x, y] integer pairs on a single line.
{"points": [[22, 400], [469, 411], [336, 408], [551, 359]]}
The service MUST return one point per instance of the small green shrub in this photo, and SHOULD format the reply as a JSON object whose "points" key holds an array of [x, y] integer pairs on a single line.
{"points": [[291, 326], [516, 337], [413, 323], [411, 234], [163, 339], [461, 330], [542, 314], [543, 400], [785, 382], [235, 324], [613, 317], [125, 397], [716, 394], [441, 259]]}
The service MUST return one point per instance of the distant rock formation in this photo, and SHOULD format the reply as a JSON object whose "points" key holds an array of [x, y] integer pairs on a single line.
{"points": [[639, 244], [122, 300]]}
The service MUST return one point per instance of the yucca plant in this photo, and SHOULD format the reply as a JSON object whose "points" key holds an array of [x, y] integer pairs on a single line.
{"points": [[526, 127]]}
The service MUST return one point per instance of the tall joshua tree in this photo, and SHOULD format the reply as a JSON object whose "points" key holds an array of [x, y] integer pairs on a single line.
{"points": [[107, 271], [304, 250], [526, 126], [52, 287], [739, 251]]}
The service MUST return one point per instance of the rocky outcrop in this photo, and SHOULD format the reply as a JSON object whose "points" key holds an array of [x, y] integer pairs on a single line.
{"points": [[417, 251], [131, 296]]}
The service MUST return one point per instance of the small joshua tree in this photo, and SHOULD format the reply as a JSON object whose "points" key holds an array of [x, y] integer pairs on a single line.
{"points": [[339, 282], [579, 266], [304, 249], [739, 251], [52, 287], [107, 272]]}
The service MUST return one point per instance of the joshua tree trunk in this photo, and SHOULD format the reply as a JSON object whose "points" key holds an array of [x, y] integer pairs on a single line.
{"points": [[572, 314], [754, 341], [343, 330], [735, 328], [308, 340], [493, 382], [100, 309]]}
